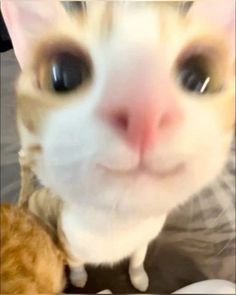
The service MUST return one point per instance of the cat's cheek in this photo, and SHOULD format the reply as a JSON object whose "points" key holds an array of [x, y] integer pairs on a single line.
{"points": [[210, 146]]}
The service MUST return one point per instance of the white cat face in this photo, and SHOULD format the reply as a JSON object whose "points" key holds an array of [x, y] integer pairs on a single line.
{"points": [[144, 114]]}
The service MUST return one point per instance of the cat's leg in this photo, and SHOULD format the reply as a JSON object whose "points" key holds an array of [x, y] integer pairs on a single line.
{"points": [[78, 274], [137, 273]]}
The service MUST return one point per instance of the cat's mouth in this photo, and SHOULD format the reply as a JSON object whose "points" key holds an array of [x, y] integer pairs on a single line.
{"points": [[142, 170]]}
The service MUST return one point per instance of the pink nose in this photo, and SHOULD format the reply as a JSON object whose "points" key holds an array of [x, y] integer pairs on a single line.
{"points": [[139, 119], [140, 108]]}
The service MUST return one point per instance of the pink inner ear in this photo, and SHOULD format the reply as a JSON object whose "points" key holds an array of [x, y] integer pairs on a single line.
{"points": [[26, 19], [218, 12], [9, 15]]}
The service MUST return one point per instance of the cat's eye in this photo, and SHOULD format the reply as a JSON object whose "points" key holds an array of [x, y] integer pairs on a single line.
{"points": [[194, 75], [63, 71], [68, 71]]}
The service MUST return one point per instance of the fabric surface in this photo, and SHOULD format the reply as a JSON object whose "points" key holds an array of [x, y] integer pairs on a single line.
{"points": [[10, 181], [197, 242], [204, 227], [209, 287]]}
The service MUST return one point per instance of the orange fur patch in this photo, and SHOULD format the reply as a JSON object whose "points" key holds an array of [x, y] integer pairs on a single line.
{"points": [[30, 262]]}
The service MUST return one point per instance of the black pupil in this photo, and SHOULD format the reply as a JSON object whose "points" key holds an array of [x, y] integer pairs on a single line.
{"points": [[194, 76], [67, 72]]}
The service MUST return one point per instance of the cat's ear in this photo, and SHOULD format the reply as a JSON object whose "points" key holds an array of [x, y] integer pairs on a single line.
{"points": [[25, 20], [219, 13]]}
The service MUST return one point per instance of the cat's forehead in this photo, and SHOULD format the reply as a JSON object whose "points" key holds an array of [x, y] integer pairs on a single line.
{"points": [[125, 27], [133, 20], [115, 28]]}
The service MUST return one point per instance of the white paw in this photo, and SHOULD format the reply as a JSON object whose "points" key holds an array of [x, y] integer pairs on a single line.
{"points": [[139, 278], [78, 277]]}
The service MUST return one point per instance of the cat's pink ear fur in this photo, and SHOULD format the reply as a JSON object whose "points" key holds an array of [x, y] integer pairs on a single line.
{"points": [[219, 13], [25, 20]]}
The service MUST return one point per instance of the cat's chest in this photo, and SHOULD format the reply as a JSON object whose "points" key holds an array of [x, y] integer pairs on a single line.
{"points": [[98, 237]]}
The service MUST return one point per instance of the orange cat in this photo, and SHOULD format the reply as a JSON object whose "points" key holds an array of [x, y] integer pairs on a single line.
{"points": [[30, 261]]}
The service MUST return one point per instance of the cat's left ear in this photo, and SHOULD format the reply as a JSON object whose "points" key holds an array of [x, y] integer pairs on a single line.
{"points": [[219, 13], [27, 19]]}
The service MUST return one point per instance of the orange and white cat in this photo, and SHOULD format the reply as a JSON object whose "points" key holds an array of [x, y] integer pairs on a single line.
{"points": [[125, 111]]}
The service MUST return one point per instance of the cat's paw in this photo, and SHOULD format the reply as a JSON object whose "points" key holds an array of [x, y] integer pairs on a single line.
{"points": [[139, 278], [78, 277]]}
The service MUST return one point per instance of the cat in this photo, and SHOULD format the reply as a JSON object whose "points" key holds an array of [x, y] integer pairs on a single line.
{"points": [[31, 263], [124, 111]]}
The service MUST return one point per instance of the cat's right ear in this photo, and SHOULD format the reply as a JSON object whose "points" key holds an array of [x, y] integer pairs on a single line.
{"points": [[25, 20], [219, 13]]}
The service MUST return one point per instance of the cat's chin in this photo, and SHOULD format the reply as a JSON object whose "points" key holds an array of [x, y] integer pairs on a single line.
{"points": [[136, 192], [156, 187]]}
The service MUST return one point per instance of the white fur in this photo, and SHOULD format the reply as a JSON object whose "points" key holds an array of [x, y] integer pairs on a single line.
{"points": [[137, 272], [78, 276], [113, 239], [108, 217]]}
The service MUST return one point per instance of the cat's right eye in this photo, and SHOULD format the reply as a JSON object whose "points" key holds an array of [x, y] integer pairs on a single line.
{"points": [[65, 72], [194, 75], [199, 72]]}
